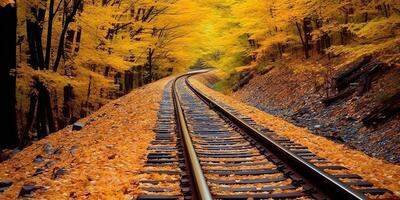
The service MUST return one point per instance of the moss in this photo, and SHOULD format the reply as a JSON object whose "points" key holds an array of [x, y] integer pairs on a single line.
{"points": [[263, 68], [221, 86], [382, 96], [226, 84]]}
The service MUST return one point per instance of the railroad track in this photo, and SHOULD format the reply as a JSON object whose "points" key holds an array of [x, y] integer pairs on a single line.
{"points": [[206, 150]]}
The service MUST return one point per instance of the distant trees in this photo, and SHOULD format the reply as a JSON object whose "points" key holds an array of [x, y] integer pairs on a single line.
{"points": [[311, 25], [8, 125]]}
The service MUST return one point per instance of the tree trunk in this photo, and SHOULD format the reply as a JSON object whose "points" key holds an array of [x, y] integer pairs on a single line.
{"points": [[67, 104], [44, 114], [78, 39], [140, 75], [386, 9], [34, 34], [135, 78], [60, 49], [32, 59], [106, 71], [302, 39], [141, 83], [307, 28], [69, 42], [8, 127], [49, 34], [56, 112], [128, 81], [38, 35], [150, 62], [88, 96], [68, 19], [117, 80], [344, 34], [30, 117], [280, 49]]}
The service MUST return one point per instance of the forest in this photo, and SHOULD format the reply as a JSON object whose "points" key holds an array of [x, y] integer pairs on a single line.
{"points": [[71, 57], [64, 59], [200, 99]]}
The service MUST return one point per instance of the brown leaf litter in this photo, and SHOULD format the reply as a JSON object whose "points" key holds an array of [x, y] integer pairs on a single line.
{"points": [[100, 161]]}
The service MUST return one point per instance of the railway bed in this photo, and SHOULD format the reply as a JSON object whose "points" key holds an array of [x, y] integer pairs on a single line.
{"points": [[207, 150]]}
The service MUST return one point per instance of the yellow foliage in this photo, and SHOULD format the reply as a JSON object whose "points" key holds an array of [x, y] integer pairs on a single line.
{"points": [[121, 35]]}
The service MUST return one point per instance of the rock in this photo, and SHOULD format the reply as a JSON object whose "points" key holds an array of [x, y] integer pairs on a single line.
{"points": [[27, 190], [112, 156], [73, 195], [17, 167], [109, 146], [102, 114], [38, 171], [48, 148], [38, 159], [49, 164], [351, 130], [58, 151], [89, 121], [77, 126], [4, 185], [57, 173], [15, 151], [73, 149], [317, 126], [3, 155], [116, 105], [336, 137], [334, 130]]}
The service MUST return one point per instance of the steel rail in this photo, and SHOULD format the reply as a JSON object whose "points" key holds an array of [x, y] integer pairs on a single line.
{"points": [[201, 186], [330, 185]]}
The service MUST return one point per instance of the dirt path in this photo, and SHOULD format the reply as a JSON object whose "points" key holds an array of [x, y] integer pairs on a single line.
{"points": [[101, 161]]}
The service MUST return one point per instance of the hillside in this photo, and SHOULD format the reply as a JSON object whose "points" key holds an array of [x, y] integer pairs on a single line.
{"points": [[293, 96]]}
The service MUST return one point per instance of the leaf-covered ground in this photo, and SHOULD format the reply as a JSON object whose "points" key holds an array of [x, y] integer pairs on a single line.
{"points": [[101, 161], [379, 172]]}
